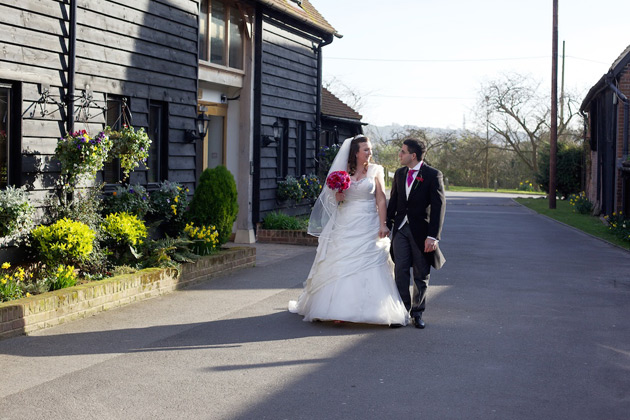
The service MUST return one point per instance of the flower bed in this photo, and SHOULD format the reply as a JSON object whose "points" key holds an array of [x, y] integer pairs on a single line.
{"points": [[25, 315]]}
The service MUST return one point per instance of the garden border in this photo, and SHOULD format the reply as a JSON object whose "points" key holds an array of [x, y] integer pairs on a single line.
{"points": [[45, 310]]}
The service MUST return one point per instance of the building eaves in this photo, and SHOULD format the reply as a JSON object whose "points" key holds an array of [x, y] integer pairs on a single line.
{"points": [[617, 67], [303, 11]]}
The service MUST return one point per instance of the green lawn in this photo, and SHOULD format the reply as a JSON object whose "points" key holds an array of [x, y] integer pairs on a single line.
{"points": [[565, 214], [476, 189]]}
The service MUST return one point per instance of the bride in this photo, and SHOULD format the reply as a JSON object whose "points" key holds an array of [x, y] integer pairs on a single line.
{"points": [[352, 276]]}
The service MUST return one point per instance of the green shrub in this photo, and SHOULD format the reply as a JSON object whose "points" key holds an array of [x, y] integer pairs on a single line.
{"points": [[132, 199], [215, 202], [580, 203], [289, 189], [122, 233], [568, 169], [167, 253], [16, 213], [169, 203], [281, 221], [64, 242], [311, 186], [64, 276]]}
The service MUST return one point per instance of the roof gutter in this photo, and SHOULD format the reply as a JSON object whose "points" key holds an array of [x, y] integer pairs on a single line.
{"points": [[273, 5]]}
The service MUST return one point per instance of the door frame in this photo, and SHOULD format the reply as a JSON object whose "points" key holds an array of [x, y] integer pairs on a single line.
{"points": [[216, 110]]}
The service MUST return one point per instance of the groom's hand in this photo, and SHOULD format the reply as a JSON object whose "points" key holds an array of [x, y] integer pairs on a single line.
{"points": [[430, 245]]}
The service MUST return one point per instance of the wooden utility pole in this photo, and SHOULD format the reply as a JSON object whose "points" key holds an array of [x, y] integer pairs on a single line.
{"points": [[553, 141]]}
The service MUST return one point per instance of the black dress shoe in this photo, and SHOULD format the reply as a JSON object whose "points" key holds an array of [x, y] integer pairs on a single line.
{"points": [[418, 322]]}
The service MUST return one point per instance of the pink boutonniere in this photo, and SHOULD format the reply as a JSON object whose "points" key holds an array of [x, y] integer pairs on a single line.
{"points": [[419, 179]]}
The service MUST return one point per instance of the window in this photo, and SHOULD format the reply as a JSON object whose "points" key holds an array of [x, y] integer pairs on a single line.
{"points": [[221, 33], [158, 151], [115, 118], [10, 156], [5, 102]]}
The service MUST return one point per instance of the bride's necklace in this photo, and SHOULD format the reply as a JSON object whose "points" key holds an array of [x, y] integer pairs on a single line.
{"points": [[359, 175]]}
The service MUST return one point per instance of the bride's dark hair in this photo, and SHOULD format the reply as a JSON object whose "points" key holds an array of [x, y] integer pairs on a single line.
{"points": [[354, 149]]}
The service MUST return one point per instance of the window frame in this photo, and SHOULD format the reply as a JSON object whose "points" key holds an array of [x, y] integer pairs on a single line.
{"points": [[161, 172], [13, 132], [205, 33]]}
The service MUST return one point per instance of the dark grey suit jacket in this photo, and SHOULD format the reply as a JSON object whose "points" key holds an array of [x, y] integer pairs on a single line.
{"points": [[425, 208]]}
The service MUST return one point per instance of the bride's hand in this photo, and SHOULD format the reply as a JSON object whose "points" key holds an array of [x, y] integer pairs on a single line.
{"points": [[340, 196], [383, 232]]}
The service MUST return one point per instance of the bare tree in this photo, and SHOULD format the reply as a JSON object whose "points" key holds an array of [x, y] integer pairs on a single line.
{"points": [[513, 108], [349, 95]]}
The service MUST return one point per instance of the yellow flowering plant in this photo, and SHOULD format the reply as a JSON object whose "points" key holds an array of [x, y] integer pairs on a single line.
{"points": [[580, 203], [204, 238], [619, 224], [169, 204], [123, 233], [10, 282], [64, 276], [311, 187], [64, 242]]}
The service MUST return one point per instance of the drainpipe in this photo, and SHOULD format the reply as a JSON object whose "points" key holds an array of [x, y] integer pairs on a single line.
{"points": [[318, 110], [626, 113], [72, 53]]}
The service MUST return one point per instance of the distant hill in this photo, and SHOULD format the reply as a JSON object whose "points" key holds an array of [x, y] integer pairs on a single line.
{"points": [[387, 132]]}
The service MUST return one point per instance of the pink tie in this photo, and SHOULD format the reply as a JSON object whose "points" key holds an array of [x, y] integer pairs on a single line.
{"points": [[410, 176]]}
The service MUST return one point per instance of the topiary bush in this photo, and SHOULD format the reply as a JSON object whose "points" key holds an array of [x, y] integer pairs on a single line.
{"points": [[215, 202], [64, 242]]}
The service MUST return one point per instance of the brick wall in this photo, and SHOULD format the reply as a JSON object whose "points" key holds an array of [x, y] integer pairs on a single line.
{"points": [[53, 308], [291, 237]]}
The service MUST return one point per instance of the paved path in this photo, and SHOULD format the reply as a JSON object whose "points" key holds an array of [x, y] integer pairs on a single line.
{"points": [[529, 319]]}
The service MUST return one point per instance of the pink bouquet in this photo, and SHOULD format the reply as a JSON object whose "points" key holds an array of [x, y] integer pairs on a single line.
{"points": [[338, 180]]}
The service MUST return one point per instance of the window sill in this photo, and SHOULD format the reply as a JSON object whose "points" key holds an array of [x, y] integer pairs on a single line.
{"points": [[222, 75]]}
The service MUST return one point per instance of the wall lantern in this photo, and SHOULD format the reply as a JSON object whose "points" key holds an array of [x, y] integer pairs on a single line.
{"points": [[267, 140], [201, 127]]}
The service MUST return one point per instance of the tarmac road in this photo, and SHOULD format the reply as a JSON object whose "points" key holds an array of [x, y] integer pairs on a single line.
{"points": [[528, 319]]}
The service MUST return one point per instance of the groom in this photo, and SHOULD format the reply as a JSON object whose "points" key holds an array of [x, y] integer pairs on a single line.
{"points": [[415, 215]]}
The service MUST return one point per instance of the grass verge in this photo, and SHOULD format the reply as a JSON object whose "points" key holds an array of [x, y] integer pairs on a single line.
{"points": [[564, 213], [476, 189]]}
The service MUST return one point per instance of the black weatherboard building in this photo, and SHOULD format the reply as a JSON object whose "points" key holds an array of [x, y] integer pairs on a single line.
{"points": [[251, 68]]}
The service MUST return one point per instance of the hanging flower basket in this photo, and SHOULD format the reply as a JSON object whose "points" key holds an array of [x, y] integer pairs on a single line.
{"points": [[82, 155], [130, 146]]}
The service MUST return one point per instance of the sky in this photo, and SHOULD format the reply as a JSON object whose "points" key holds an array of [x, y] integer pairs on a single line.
{"points": [[423, 62]]}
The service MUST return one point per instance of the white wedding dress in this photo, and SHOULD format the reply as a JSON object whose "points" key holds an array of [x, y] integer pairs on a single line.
{"points": [[352, 276]]}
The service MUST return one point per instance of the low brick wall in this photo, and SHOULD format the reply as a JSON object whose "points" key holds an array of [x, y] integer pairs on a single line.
{"points": [[53, 308], [292, 237]]}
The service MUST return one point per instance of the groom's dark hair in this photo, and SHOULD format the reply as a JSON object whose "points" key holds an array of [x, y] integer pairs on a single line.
{"points": [[416, 146]]}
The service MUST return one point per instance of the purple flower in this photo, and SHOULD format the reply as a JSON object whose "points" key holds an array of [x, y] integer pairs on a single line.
{"points": [[131, 190]]}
